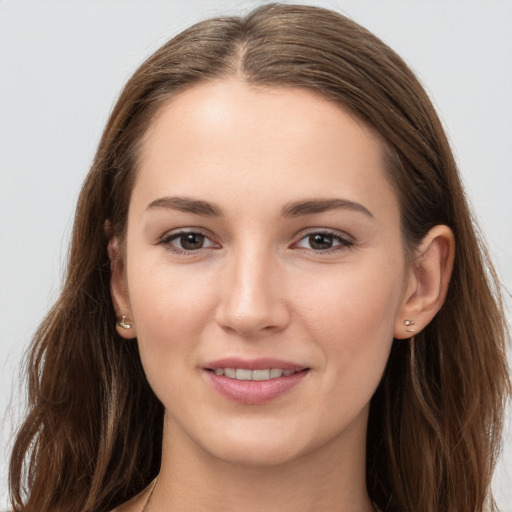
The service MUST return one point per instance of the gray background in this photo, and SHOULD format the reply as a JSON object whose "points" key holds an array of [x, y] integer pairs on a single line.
{"points": [[62, 64]]}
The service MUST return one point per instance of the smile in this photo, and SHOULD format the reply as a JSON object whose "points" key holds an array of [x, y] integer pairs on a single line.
{"points": [[254, 382], [245, 374]]}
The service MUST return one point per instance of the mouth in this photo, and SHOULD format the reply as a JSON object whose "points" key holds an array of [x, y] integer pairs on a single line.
{"points": [[258, 375], [254, 382]]}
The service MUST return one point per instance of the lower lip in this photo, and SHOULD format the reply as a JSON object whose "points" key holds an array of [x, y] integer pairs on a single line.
{"points": [[254, 392]]}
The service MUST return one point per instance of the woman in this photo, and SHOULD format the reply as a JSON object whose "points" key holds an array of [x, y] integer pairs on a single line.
{"points": [[275, 297]]}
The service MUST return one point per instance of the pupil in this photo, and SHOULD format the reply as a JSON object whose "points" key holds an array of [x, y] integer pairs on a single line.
{"points": [[192, 241], [319, 241]]}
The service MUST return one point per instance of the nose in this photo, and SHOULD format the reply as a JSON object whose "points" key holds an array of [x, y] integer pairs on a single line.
{"points": [[253, 296]]}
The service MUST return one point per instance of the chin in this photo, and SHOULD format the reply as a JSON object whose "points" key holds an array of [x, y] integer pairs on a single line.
{"points": [[266, 443], [256, 454]]}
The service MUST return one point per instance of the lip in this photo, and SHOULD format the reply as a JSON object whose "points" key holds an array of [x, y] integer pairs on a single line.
{"points": [[253, 364], [252, 392]]}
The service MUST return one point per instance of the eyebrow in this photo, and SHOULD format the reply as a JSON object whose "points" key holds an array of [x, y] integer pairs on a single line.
{"points": [[312, 206], [184, 204], [294, 209]]}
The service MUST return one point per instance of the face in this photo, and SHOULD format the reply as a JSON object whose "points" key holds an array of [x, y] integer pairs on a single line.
{"points": [[263, 243]]}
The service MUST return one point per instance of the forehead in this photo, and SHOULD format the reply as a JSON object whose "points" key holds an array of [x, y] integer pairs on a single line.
{"points": [[228, 137]]}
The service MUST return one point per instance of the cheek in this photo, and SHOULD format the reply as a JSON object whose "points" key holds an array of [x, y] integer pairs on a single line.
{"points": [[170, 308], [351, 314]]}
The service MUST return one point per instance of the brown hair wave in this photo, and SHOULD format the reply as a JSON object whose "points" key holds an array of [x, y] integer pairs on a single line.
{"points": [[92, 436]]}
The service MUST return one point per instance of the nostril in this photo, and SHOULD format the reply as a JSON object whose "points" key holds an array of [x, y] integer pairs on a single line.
{"points": [[251, 302]]}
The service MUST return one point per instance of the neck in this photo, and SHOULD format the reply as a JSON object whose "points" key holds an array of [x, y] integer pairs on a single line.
{"points": [[329, 478]]}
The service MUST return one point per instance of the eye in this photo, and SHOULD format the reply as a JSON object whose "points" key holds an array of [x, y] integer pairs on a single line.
{"points": [[187, 241], [324, 242]]}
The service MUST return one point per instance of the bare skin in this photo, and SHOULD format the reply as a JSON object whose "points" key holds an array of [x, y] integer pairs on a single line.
{"points": [[262, 225]]}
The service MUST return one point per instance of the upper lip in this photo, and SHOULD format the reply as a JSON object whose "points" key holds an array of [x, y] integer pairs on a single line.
{"points": [[253, 364]]}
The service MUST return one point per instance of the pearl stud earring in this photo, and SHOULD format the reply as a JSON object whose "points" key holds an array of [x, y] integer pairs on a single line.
{"points": [[408, 323], [123, 323]]}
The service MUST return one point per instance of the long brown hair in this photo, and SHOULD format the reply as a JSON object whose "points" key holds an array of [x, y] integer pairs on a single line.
{"points": [[92, 437]]}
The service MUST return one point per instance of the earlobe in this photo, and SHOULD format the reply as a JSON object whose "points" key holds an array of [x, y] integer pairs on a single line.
{"points": [[429, 280], [119, 291]]}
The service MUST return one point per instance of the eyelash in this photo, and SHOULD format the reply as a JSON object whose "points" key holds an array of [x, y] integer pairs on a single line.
{"points": [[167, 240], [343, 241]]}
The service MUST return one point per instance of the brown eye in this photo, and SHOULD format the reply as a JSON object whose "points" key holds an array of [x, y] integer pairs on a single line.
{"points": [[324, 242], [187, 241], [191, 241], [320, 241]]}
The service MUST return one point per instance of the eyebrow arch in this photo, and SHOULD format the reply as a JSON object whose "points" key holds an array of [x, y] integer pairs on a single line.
{"points": [[312, 206], [184, 204], [294, 209]]}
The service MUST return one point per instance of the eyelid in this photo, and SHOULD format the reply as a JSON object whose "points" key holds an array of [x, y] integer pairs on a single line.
{"points": [[348, 240], [173, 234]]}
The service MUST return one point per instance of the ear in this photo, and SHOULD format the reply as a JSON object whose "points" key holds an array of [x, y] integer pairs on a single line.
{"points": [[119, 291], [428, 282]]}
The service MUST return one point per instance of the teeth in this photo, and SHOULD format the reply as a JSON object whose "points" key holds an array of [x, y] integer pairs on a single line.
{"points": [[230, 372], [244, 374], [260, 374]]}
